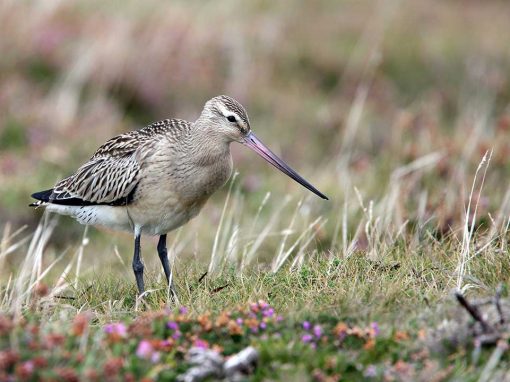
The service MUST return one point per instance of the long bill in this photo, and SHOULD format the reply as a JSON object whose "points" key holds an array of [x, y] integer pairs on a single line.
{"points": [[256, 145]]}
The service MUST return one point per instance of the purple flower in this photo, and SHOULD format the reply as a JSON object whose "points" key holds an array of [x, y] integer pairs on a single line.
{"points": [[144, 349], [306, 325], [306, 338], [172, 325], [317, 331], [239, 321], [183, 310], [279, 318], [176, 335], [117, 328], [263, 325], [200, 344], [268, 312], [263, 304], [375, 328]]}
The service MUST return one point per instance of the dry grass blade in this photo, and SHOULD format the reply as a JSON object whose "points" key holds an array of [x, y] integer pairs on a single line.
{"points": [[469, 223], [213, 264], [249, 255], [31, 269], [276, 266]]}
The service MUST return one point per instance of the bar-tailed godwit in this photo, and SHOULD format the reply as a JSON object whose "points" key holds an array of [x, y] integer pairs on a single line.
{"points": [[153, 180]]}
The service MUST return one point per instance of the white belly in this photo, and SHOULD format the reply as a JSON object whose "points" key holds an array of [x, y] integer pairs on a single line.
{"points": [[149, 221], [107, 216]]}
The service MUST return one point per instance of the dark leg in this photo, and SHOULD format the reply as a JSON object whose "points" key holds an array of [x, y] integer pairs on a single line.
{"points": [[138, 265], [163, 256]]}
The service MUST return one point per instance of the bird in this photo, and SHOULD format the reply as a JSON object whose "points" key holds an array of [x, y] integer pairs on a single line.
{"points": [[153, 180]]}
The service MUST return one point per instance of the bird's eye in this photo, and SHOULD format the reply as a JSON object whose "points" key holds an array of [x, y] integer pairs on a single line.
{"points": [[231, 118]]}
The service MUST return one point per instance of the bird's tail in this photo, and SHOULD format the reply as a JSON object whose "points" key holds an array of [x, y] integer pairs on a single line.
{"points": [[43, 197]]}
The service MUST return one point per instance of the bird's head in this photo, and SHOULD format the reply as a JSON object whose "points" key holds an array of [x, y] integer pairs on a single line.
{"points": [[230, 121], [227, 117]]}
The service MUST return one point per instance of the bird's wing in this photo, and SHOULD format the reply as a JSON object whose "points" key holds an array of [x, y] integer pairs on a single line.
{"points": [[112, 173], [108, 177]]}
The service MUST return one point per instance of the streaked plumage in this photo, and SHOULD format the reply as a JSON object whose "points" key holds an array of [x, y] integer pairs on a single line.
{"points": [[153, 180]]}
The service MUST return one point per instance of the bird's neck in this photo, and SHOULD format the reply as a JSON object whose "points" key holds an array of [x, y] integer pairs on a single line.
{"points": [[207, 146]]}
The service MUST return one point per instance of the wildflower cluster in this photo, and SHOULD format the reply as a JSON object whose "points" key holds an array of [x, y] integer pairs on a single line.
{"points": [[155, 345], [313, 334]]}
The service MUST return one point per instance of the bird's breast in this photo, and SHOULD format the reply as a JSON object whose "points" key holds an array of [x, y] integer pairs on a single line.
{"points": [[168, 196], [199, 182]]}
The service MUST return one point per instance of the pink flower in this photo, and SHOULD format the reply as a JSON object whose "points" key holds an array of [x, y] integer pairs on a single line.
{"points": [[116, 329], [317, 331], [200, 344], [27, 368], [144, 349], [306, 325], [183, 310], [306, 338]]}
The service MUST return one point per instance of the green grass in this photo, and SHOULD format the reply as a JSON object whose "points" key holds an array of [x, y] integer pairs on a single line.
{"points": [[402, 294], [398, 288]]}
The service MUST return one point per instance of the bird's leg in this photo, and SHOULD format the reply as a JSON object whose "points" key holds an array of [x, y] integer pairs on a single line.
{"points": [[163, 256], [138, 265]]}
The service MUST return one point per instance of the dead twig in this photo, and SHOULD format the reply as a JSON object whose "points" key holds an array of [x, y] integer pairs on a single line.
{"points": [[474, 312], [219, 289], [74, 298], [202, 277]]}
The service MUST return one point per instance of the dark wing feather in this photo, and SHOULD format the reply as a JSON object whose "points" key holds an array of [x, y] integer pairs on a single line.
{"points": [[102, 180], [112, 173], [109, 177]]}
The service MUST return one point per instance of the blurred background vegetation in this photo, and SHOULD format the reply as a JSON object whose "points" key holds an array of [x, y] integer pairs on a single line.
{"points": [[347, 92]]}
